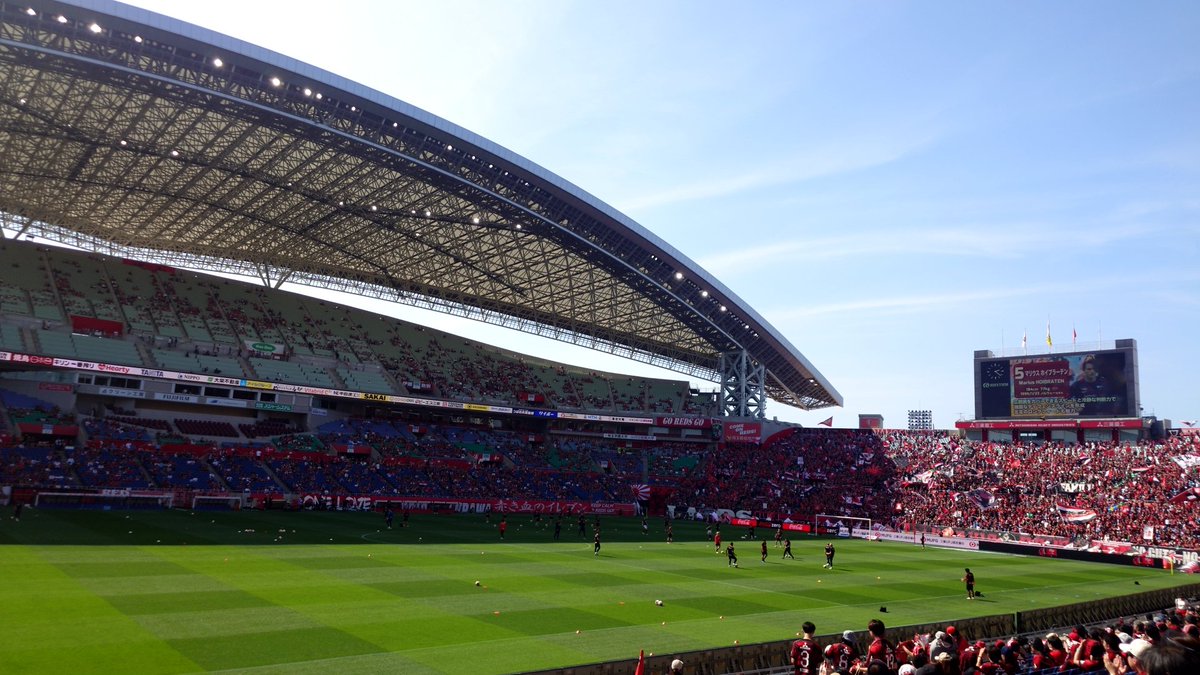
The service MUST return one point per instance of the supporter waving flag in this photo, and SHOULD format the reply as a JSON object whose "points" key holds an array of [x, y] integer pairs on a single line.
{"points": [[1072, 514]]}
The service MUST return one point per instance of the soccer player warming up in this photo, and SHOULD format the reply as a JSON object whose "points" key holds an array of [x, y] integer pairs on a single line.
{"points": [[969, 580], [729, 553], [828, 556]]}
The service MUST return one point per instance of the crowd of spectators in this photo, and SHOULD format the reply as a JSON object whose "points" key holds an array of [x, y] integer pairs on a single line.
{"points": [[1096, 490], [798, 473], [1166, 643], [927, 481]]}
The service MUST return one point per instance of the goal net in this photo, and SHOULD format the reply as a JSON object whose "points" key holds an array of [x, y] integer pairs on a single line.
{"points": [[105, 501], [218, 502], [843, 526]]}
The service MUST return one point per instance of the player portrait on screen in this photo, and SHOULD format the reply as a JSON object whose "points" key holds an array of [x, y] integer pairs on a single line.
{"points": [[1094, 387]]}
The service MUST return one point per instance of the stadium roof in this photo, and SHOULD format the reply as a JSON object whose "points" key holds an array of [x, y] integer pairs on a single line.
{"points": [[130, 133]]}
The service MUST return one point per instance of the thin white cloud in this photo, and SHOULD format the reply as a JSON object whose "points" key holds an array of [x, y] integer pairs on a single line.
{"points": [[942, 302], [854, 151], [984, 241], [903, 304]]}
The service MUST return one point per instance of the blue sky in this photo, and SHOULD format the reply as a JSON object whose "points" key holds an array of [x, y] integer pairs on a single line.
{"points": [[891, 185]]}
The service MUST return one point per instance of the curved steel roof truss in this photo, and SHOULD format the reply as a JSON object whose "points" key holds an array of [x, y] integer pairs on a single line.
{"points": [[129, 139]]}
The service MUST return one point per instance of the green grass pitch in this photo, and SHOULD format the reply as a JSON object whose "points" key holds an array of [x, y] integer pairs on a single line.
{"points": [[179, 592]]}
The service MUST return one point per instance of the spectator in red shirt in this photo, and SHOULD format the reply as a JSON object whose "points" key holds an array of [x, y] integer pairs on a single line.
{"points": [[805, 654]]}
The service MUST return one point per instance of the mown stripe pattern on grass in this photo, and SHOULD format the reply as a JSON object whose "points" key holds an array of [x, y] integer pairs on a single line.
{"points": [[176, 592]]}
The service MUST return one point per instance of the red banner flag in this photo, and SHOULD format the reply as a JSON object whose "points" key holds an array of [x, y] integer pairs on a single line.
{"points": [[827, 423], [641, 667]]}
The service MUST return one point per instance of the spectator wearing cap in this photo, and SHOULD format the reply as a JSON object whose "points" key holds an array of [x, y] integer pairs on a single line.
{"points": [[941, 644], [945, 664], [1174, 656], [837, 659], [848, 640], [960, 642], [1133, 654]]}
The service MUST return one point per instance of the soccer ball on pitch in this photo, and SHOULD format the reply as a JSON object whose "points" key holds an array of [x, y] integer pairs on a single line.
{"points": [[476, 583], [658, 602]]}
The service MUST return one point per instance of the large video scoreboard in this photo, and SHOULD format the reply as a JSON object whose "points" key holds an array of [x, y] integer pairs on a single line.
{"points": [[1098, 383]]}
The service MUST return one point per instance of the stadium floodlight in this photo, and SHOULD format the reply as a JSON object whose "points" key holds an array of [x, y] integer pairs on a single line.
{"points": [[704, 294], [94, 27], [307, 91], [137, 39], [31, 11], [218, 62], [275, 81], [61, 18], [174, 153]]}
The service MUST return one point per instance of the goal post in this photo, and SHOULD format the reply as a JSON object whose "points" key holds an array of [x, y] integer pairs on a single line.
{"points": [[108, 500], [227, 502], [843, 526]]}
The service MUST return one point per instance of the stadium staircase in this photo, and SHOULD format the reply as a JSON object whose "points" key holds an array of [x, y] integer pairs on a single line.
{"points": [[284, 488]]}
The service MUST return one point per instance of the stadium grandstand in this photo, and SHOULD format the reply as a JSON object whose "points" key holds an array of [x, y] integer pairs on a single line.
{"points": [[139, 155]]}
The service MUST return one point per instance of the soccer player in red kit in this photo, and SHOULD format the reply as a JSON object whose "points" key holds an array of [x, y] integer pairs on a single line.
{"points": [[805, 657], [880, 648]]}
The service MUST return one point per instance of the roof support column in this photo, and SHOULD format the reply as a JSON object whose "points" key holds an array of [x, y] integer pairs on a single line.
{"points": [[743, 385]]}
